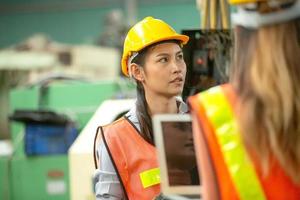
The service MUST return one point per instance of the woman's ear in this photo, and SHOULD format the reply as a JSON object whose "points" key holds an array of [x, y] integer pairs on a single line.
{"points": [[137, 72]]}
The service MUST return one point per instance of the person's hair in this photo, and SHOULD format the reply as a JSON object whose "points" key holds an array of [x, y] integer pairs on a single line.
{"points": [[266, 76], [142, 108]]}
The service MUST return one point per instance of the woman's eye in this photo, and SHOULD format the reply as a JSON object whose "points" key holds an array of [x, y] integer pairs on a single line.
{"points": [[180, 56], [163, 60]]}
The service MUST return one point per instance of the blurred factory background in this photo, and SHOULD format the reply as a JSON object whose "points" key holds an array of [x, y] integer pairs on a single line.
{"points": [[78, 21], [60, 78]]}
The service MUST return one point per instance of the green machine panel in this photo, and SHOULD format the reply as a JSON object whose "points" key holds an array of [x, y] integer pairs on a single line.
{"points": [[42, 178], [4, 178]]}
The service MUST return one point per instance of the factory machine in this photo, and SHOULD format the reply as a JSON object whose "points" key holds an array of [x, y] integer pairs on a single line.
{"points": [[39, 163]]}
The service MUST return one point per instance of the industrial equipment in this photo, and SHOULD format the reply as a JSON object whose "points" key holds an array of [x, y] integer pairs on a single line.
{"points": [[208, 53], [49, 174], [46, 132], [207, 57], [5, 155]]}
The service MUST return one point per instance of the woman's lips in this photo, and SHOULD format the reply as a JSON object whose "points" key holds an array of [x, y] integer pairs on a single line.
{"points": [[177, 80]]}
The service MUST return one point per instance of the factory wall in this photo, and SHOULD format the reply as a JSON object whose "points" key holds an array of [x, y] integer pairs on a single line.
{"points": [[76, 25]]}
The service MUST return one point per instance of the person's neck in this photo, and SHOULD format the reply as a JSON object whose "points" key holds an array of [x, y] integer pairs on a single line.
{"points": [[160, 105]]}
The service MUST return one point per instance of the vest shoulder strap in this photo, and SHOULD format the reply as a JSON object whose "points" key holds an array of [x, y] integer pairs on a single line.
{"points": [[96, 143]]}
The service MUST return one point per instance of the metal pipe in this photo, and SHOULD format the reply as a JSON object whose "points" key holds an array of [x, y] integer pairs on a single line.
{"points": [[203, 9], [213, 14], [224, 15]]}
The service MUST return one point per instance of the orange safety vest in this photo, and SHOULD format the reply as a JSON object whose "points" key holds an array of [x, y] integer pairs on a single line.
{"points": [[237, 173], [134, 159]]}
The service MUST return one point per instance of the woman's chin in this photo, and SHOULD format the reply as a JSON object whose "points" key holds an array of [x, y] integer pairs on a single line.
{"points": [[177, 92]]}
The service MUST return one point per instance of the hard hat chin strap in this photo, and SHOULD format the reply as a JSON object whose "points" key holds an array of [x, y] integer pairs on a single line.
{"points": [[252, 19], [130, 59]]}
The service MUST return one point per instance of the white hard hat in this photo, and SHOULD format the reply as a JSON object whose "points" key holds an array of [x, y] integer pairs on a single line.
{"points": [[249, 17]]}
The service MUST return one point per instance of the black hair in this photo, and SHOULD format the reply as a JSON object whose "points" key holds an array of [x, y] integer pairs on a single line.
{"points": [[142, 108]]}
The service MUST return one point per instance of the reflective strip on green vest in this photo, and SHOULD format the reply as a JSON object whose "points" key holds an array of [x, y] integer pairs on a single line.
{"points": [[150, 177], [227, 132]]}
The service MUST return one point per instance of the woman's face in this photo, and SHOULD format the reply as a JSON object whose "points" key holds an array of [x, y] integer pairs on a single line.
{"points": [[164, 70], [179, 144]]}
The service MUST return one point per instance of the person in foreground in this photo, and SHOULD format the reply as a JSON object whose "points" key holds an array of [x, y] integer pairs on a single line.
{"points": [[247, 132], [124, 151]]}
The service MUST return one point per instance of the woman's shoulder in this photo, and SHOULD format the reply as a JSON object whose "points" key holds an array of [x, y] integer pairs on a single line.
{"points": [[129, 117]]}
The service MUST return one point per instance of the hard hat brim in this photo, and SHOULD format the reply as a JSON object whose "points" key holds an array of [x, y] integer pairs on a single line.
{"points": [[182, 38], [236, 2]]}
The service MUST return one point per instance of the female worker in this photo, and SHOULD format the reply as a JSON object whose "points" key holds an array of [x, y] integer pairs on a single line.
{"points": [[126, 157], [247, 133]]}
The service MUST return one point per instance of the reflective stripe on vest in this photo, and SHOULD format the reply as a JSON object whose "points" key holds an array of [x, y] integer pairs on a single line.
{"points": [[150, 177], [223, 121]]}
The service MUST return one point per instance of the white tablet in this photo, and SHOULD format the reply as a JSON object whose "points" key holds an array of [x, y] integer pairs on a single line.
{"points": [[176, 154]]}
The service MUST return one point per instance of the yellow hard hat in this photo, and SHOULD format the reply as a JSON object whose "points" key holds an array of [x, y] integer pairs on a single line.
{"points": [[146, 32], [235, 2]]}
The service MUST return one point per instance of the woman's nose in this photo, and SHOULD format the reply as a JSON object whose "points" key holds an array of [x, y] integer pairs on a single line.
{"points": [[177, 67]]}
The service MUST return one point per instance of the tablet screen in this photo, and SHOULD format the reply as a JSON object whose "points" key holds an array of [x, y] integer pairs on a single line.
{"points": [[180, 153]]}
